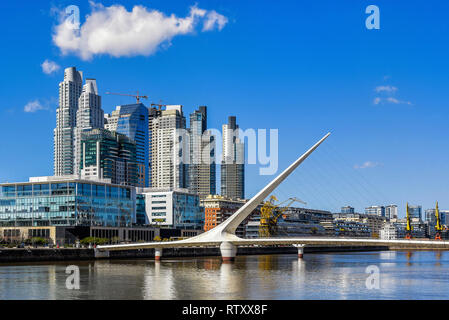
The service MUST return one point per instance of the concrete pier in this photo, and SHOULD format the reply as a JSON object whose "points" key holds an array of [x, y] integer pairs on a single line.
{"points": [[157, 254], [300, 248], [228, 251]]}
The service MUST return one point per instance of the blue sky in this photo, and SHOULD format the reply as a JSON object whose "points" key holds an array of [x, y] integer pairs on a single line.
{"points": [[302, 67]]}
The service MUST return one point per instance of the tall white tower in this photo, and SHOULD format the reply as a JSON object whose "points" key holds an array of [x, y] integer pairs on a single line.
{"points": [[64, 148], [89, 116], [167, 154]]}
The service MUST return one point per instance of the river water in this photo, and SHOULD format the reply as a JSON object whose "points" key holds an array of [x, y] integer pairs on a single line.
{"points": [[363, 275]]}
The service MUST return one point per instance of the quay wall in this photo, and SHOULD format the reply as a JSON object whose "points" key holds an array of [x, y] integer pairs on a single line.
{"points": [[72, 254]]}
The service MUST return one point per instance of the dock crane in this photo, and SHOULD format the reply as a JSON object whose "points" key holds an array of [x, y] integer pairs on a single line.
{"points": [[438, 226], [137, 96], [409, 227], [270, 213]]}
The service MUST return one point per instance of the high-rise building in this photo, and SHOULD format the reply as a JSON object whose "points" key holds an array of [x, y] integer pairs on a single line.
{"points": [[202, 155], [415, 212], [391, 211], [64, 136], [132, 121], [376, 210], [89, 116], [169, 149], [108, 155], [233, 162]]}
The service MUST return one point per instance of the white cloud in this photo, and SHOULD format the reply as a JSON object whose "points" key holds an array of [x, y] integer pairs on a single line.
{"points": [[49, 67], [367, 164], [387, 89], [34, 106], [120, 33], [213, 18], [392, 100]]}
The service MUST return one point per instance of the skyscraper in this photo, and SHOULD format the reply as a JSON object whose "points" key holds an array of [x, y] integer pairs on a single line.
{"points": [[64, 136], [202, 155], [89, 116], [233, 162], [168, 148], [132, 121]]}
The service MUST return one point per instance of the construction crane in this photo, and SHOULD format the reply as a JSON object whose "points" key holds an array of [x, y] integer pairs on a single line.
{"points": [[409, 227], [137, 96], [270, 213], [438, 226], [158, 104]]}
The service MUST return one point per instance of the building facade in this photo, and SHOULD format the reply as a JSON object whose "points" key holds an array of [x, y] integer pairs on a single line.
{"points": [[64, 134], [89, 116], [109, 155], [169, 148], [218, 208], [177, 208], [202, 175], [233, 162], [132, 121], [347, 209], [56, 201], [391, 211], [375, 210]]}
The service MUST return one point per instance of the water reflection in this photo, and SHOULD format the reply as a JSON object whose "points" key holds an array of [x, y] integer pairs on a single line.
{"points": [[403, 275]]}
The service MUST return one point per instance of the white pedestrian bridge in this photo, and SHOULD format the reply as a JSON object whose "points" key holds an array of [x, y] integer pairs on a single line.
{"points": [[223, 235]]}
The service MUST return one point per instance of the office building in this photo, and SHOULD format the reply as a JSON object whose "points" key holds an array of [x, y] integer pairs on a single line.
{"points": [[376, 210], [415, 212], [177, 208], [391, 211], [347, 209], [202, 155], [108, 155], [89, 116], [132, 121], [169, 150], [64, 136], [233, 162]]}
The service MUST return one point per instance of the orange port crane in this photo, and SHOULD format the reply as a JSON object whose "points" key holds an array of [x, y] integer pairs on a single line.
{"points": [[137, 96]]}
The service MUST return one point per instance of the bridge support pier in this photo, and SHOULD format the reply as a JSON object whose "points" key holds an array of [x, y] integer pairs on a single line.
{"points": [[228, 251], [300, 248], [157, 254]]}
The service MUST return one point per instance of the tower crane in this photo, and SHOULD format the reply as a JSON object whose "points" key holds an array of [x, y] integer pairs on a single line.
{"points": [[158, 104], [438, 226], [270, 213], [409, 227], [137, 96]]}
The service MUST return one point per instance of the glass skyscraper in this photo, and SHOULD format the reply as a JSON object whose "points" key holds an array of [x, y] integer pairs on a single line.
{"points": [[132, 121]]}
